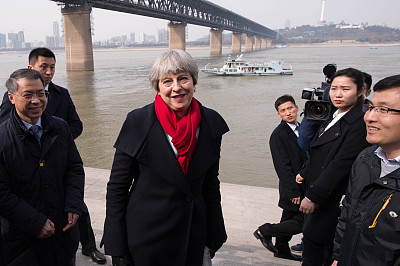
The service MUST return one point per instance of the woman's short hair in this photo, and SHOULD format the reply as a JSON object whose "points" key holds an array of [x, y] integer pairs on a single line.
{"points": [[174, 61]]}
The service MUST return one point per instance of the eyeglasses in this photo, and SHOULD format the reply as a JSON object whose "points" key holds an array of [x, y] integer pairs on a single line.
{"points": [[380, 110], [29, 96]]}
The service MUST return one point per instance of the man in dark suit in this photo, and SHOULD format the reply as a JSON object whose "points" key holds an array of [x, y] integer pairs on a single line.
{"points": [[60, 104], [41, 179], [288, 159]]}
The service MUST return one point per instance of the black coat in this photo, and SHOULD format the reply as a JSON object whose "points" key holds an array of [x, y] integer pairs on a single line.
{"points": [[327, 171], [154, 212], [39, 182], [59, 104], [288, 160], [360, 243]]}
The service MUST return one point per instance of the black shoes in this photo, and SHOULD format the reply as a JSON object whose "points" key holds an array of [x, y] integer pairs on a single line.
{"points": [[266, 241], [96, 256], [288, 256]]}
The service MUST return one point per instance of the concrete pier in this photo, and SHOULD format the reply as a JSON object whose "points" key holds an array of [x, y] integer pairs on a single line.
{"points": [[257, 44], [249, 43], [244, 208], [236, 43], [264, 43], [177, 35], [215, 42], [78, 38]]}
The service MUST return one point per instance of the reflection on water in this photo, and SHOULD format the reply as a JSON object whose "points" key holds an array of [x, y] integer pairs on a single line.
{"points": [[120, 84]]}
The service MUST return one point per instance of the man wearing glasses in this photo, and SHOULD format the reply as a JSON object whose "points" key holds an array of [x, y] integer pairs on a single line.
{"points": [[60, 104], [41, 179], [368, 232]]}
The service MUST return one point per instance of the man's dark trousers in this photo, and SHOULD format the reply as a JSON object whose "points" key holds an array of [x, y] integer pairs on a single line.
{"points": [[291, 224]]}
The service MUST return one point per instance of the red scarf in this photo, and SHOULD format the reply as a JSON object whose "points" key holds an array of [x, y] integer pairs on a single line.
{"points": [[183, 131]]}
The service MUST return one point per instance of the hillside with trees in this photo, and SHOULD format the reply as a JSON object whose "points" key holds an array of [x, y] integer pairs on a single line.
{"points": [[339, 32]]}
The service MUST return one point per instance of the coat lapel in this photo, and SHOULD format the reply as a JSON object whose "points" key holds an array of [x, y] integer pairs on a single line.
{"points": [[158, 155], [54, 99], [331, 134], [204, 155], [291, 135]]}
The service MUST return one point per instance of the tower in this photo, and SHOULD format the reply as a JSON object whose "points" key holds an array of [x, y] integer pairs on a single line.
{"points": [[322, 20]]}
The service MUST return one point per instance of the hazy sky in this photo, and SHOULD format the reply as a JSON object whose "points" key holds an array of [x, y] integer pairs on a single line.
{"points": [[36, 17]]}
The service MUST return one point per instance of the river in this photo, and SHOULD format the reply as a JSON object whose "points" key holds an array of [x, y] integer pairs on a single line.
{"points": [[120, 84]]}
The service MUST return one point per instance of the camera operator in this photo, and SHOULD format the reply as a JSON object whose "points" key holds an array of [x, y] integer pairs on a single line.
{"points": [[316, 111], [332, 151]]}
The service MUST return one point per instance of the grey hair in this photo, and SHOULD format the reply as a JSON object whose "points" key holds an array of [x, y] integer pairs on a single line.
{"points": [[174, 61], [27, 73]]}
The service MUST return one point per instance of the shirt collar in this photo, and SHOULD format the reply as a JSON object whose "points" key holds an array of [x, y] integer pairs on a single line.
{"points": [[336, 114], [293, 126], [28, 126], [382, 155]]}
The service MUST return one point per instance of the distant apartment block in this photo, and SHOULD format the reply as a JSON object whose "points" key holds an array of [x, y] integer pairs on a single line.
{"points": [[3, 40], [162, 36]]}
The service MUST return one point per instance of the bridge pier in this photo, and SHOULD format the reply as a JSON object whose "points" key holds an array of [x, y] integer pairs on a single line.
{"points": [[249, 43], [78, 38], [269, 43], [257, 45], [215, 42], [177, 35], [236, 43], [264, 43]]}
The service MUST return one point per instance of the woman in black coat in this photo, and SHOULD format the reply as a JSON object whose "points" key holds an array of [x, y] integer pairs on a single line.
{"points": [[332, 152], [163, 196]]}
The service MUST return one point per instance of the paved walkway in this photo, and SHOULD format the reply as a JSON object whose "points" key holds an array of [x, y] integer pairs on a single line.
{"points": [[244, 208]]}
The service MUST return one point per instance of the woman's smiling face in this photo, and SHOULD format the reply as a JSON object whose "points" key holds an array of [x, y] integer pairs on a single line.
{"points": [[177, 91]]}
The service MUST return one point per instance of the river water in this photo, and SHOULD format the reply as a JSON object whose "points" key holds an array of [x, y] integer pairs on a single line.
{"points": [[120, 84]]}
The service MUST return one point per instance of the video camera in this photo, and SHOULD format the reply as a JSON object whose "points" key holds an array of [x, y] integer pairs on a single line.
{"points": [[319, 105]]}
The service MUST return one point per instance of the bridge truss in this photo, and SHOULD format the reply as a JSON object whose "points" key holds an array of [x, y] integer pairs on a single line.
{"points": [[197, 12]]}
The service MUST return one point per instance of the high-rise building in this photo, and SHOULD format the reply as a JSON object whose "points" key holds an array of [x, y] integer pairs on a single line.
{"points": [[56, 33], [21, 37], [142, 37], [162, 36], [3, 40], [132, 39], [50, 42], [13, 40]]}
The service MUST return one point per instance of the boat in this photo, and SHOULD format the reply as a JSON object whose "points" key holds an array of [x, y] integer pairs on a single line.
{"points": [[239, 67]]}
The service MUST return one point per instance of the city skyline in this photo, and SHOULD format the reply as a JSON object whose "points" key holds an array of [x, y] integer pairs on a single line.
{"points": [[274, 14]]}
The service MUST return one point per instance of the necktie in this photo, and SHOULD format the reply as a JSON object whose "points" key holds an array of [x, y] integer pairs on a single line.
{"points": [[36, 132]]}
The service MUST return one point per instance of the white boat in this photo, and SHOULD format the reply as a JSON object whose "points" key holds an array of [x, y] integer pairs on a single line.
{"points": [[239, 67]]}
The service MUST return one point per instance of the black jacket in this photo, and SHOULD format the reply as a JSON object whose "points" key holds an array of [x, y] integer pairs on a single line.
{"points": [[154, 212], [59, 104], [357, 240], [39, 182], [327, 171], [288, 159]]}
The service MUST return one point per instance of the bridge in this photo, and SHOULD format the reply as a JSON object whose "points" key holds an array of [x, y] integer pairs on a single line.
{"points": [[78, 37]]}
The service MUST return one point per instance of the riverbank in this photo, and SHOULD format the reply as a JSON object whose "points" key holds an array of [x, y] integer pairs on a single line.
{"points": [[244, 208], [342, 44]]}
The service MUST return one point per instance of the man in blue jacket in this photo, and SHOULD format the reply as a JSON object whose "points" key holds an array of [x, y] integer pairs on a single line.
{"points": [[41, 179], [60, 104], [368, 232]]}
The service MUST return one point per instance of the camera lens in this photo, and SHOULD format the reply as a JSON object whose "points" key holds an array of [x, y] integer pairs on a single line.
{"points": [[318, 110]]}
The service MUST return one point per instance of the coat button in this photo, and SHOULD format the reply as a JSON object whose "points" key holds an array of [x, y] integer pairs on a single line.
{"points": [[385, 182], [188, 198]]}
